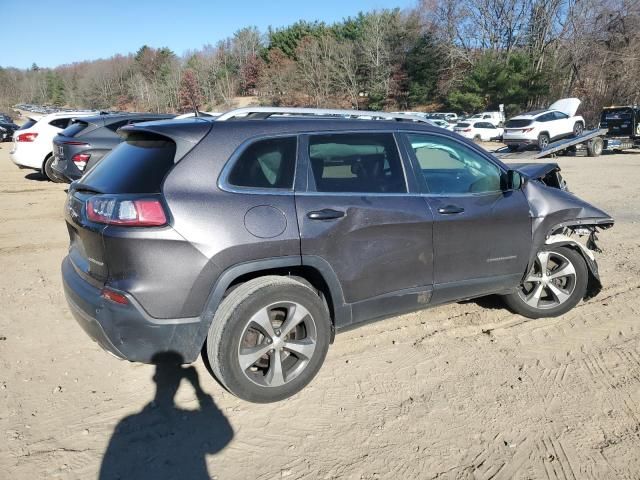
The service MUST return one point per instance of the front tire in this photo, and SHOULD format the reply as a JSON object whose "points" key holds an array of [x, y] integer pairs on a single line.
{"points": [[268, 339], [555, 284], [578, 128]]}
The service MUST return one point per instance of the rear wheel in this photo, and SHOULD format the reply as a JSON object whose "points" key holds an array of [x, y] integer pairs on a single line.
{"points": [[555, 284], [268, 339], [477, 138], [543, 141], [595, 147], [47, 171]]}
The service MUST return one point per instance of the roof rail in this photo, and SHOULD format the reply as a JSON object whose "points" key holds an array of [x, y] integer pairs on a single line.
{"points": [[266, 112]]}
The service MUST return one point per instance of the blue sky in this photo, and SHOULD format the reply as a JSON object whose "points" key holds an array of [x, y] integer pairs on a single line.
{"points": [[52, 33]]}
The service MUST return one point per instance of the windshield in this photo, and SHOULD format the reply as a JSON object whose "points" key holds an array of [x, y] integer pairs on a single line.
{"points": [[518, 123], [28, 124]]}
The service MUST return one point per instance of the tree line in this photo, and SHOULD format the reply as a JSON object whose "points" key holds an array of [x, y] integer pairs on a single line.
{"points": [[458, 55]]}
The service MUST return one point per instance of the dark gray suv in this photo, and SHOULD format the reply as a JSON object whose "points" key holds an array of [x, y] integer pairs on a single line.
{"points": [[254, 240], [87, 140]]}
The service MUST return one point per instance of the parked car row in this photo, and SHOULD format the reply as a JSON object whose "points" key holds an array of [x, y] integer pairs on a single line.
{"points": [[84, 138]]}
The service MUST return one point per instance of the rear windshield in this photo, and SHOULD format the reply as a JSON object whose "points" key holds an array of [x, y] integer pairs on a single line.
{"points": [[463, 124], [28, 124], [137, 165], [617, 114], [518, 123], [74, 129]]}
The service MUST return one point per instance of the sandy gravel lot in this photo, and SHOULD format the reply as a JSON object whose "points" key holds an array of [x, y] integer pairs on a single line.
{"points": [[466, 391]]}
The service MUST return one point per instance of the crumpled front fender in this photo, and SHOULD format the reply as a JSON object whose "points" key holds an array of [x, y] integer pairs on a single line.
{"points": [[594, 285]]}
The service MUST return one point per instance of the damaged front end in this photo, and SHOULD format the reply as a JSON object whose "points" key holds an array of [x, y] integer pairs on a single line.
{"points": [[560, 218]]}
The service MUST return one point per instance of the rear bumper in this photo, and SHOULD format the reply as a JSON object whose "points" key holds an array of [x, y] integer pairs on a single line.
{"points": [[127, 331], [59, 168], [519, 141], [24, 157]]}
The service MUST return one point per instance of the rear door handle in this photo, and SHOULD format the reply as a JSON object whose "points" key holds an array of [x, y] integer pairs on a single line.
{"points": [[450, 210], [325, 214]]}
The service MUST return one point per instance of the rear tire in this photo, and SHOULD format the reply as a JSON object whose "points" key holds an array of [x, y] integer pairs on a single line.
{"points": [[595, 147], [268, 339], [557, 282], [543, 141], [477, 138], [47, 171]]}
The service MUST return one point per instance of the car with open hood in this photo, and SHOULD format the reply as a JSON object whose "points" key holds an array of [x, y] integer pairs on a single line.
{"points": [[254, 240], [541, 127]]}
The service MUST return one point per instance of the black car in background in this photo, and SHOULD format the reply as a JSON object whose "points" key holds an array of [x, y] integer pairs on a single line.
{"points": [[87, 140], [6, 130], [623, 126]]}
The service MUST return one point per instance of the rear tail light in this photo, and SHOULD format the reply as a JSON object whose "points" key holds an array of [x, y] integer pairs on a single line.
{"points": [[527, 130], [466, 130], [73, 142], [27, 137], [114, 296], [136, 212], [81, 159]]}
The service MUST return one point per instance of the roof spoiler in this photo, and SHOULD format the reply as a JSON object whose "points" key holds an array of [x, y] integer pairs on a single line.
{"points": [[261, 113]]}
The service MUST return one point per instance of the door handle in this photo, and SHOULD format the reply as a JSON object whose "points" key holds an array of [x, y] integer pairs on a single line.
{"points": [[325, 214], [450, 210]]}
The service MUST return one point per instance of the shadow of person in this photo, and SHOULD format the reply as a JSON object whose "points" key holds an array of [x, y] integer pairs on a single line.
{"points": [[163, 441]]}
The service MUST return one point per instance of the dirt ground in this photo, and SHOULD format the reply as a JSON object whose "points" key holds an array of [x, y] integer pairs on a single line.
{"points": [[466, 391]]}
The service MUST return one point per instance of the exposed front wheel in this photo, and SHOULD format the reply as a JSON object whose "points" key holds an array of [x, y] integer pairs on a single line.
{"points": [[555, 284], [578, 128], [268, 339]]}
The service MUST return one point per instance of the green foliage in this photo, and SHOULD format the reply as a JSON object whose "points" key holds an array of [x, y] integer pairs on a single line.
{"points": [[494, 79], [423, 66], [287, 39], [55, 88]]}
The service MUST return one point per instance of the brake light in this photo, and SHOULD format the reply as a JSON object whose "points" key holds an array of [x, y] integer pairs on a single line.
{"points": [[114, 296], [27, 137], [466, 130], [72, 142], [139, 212], [81, 159], [527, 130]]}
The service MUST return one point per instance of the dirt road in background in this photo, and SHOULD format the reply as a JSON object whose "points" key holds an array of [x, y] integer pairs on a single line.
{"points": [[463, 391]]}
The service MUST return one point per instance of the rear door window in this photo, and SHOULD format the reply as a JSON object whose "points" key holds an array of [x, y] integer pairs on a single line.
{"points": [[356, 163], [137, 165], [266, 163]]}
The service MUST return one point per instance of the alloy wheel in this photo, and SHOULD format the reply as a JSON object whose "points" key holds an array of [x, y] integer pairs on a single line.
{"points": [[550, 282], [277, 344]]}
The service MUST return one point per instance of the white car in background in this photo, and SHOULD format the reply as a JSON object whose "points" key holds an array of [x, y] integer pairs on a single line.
{"points": [[497, 118], [542, 127], [478, 130], [443, 124], [32, 143]]}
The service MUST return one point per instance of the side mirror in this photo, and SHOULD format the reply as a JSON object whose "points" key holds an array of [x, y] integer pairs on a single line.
{"points": [[514, 180]]}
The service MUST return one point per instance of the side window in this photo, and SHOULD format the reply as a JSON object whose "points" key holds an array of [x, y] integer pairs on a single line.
{"points": [[60, 123], [356, 163], [267, 163], [560, 116], [546, 117], [449, 167]]}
